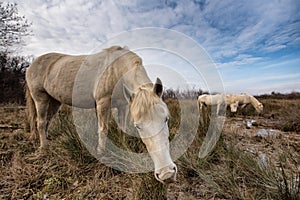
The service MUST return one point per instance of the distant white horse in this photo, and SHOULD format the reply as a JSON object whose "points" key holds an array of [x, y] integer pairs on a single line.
{"points": [[232, 100], [243, 100], [211, 100]]}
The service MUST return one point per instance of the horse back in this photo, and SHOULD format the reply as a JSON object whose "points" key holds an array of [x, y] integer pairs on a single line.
{"points": [[55, 74], [38, 68]]}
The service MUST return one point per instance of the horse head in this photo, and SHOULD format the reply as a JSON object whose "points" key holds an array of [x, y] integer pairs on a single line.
{"points": [[259, 107], [150, 117], [234, 106]]}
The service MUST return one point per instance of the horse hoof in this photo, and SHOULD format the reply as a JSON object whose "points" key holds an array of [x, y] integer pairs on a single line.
{"points": [[43, 149]]}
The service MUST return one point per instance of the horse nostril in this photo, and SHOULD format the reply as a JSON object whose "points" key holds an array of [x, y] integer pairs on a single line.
{"points": [[175, 168], [157, 176]]}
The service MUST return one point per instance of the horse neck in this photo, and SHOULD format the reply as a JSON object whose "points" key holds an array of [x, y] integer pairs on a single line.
{"points": [[136, 77], [254, 101]]}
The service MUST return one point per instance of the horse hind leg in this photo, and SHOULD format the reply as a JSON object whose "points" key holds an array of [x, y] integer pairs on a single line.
{"points": [[53, 107], [201, 113]]}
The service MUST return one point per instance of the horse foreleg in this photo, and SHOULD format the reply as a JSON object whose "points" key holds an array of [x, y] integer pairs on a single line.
{"points": [[218, 108], [122, 116], [103, 111], [244, 105]]}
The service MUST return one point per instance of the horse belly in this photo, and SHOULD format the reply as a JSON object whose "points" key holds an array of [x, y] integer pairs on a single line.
{"points": [[64, 87], [83, 98]]}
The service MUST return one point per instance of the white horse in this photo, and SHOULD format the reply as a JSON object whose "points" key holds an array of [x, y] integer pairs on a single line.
{"points": [[211, 100], [243, 100], [231, 100], [52, 79]]}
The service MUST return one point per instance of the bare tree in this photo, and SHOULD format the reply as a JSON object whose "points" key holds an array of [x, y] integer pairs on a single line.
{"points": [[12, 68], [12, 26]]}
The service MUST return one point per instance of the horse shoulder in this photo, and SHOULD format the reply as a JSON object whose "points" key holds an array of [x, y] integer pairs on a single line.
{"points": [[202, 98]]}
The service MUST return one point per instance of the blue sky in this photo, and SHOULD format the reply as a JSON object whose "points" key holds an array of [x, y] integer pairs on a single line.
{"points": [[254, 44]]}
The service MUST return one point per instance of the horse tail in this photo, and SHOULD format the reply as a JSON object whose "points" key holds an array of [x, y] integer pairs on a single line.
{"points": [[31, 112], [200, 110], [198, 104]]}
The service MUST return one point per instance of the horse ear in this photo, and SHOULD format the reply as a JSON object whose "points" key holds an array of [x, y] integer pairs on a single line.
{"points": [[158, 87], [127, 94]]}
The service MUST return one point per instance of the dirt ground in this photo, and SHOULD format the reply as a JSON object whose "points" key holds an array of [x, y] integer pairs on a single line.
{"points": [[263, 139]]}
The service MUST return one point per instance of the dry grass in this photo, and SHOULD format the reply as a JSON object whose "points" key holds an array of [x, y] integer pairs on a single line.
{"points": [[64, 170], [243, 165]]}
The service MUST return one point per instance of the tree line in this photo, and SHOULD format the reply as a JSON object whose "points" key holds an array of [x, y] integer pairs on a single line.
{"points": [[13, 28]]}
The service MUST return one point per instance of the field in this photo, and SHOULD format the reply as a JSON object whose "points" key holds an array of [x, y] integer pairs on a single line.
{"points": [[257, 162]]}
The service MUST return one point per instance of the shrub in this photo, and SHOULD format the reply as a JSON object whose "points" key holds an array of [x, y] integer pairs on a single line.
{"points": [[12, 78]]}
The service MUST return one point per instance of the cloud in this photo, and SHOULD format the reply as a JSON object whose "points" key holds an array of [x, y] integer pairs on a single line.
{"points": [[239, 61], [252, 26], [273, 78], [286, 87], [71, 26], [288, 62], [221, 27]]}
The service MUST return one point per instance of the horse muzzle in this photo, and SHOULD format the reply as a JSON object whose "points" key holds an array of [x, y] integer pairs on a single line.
{"points": [[167, 174]]}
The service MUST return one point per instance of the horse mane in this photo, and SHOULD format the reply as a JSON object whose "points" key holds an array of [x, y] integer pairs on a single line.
{"points": [[142, 102]]}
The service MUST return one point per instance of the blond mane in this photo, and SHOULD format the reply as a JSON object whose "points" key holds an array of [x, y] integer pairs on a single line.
{"points": [[143, 102]]}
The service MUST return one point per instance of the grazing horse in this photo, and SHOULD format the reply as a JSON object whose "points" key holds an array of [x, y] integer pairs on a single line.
{"points": [[243, 100], [52, 79]]}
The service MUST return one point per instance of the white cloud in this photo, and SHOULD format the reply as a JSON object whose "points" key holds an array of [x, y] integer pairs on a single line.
{"points": [[220, 26], [71, 26], [239, 61], [286, 87], [286, 63]]}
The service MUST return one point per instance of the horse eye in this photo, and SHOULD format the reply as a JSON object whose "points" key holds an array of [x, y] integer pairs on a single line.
{"points": [[167, 119], [137, 126]]}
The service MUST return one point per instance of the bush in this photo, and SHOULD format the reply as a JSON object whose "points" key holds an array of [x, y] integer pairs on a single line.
{"points": [[12, 78]]}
